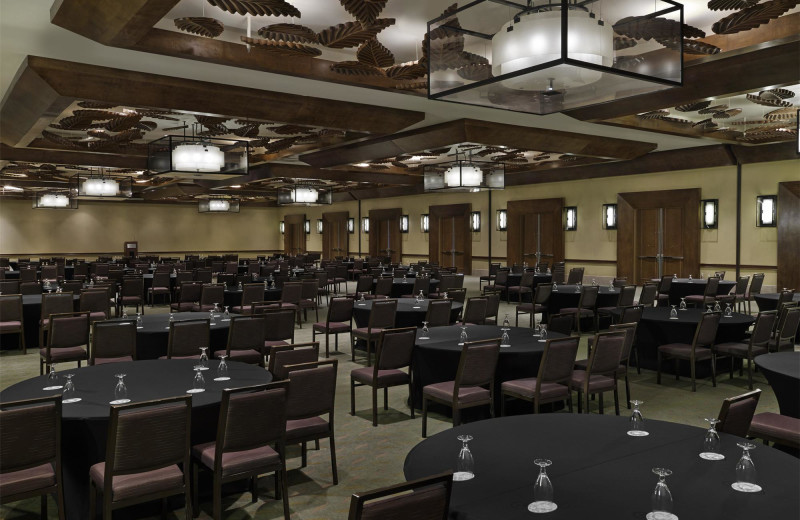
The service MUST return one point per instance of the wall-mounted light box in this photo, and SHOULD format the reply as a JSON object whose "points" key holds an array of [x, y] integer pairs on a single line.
{"points": [[766, 210], [365, 224], [351, 225], [307, 227], [404, 223], [282, 227], [475, 221], [425, 223], [609, 216], [570, 218], [319, 226], [708, 209], [502, 220]]}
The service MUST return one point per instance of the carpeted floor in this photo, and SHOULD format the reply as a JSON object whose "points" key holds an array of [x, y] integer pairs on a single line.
{"points": [[370, 457]]}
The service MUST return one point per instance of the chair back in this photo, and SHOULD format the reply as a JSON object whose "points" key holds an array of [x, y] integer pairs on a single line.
{"points": [[161, 280], [785, 296], [787, 330], [133, 286], [542, 294], [492, 304], [281, 356], [183, 276], [70, 329], [648, 295], [211, 294], [292, 292], [95, 300], [191, 292], [500, 279], [340, 310], [73, 286], [429, 499], [475, 311], [383, 314], [309, 289], [9, 287], [755, 285], [606, 354], [203, 275], [619, 282], [762, 329], [588, 298], [477, 363], [364, 283], [394, 349], [516, 269], [558, 360], [113, 339], [712, 284], [741, 286], [250, 417], [665, 284], [626, 296], [438, 314], [632, 314], [49, 272], [247, 333], [720, 274], [737, 413], [27, 275], [252, 292], [527, 278], [56, 304], [312, 389], [231, 267], [11, 307], [561, 323], [30, 434], [383, 287], [575, 276], [493, 268], [30, 287], [630, 336], [421, 284], [279, 323], [187, 337], [706, 331]]}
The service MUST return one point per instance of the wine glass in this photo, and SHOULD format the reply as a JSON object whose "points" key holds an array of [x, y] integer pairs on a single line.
{"points": [[683, 304], [240, 283], [211, 317], [465, 466], [505, 341], [578, 287], [690, 278], [542, 490], [673, 313], [215, 310], [222, 369], [537, 330], [717, 307], [425, 331], [139, 321], [199, 382], [421, 296], [120, 391], [746, 471], [124, 314], [711, 442], [594, 282], [52, 379], [463, 338], [675, 277], [445, 295], [637, 421], [69, 395], [226, 316], [542, 333], [611, 287], [203, 363], [661, 499], [555, 287], [506, 323], [171, 317], [708, 309], [728, 311]]}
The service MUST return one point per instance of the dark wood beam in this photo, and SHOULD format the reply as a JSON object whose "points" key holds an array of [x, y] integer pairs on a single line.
{"points": [[786, 26], [378, 193], [309, 172], [8, 153]]}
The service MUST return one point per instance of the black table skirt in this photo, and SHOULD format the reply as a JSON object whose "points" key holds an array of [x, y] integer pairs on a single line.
{"points": [[402, 288], [782, 370], [233, 296], [600, 472], [85, 424], [407, 315], [683, 287]]}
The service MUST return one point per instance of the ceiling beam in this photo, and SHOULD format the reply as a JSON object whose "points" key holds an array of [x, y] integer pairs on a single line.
{"points": [[35, 155]]}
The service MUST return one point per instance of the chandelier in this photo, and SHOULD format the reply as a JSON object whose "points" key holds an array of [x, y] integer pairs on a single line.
{"points": [[54, 201], [465, 174], [218, 206], [192, 157], [304, 195], [100, 186], [545, 56]]}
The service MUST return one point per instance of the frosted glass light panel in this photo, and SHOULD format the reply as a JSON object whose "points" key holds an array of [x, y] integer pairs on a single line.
{"points": [[425, 223], [766, 211], [609, 216], [190, 157], [218, 206], [570, 218], [550, 56], [709, 209]]}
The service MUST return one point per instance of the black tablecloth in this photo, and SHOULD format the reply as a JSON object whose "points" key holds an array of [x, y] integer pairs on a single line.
{"points": [[85, 424], [782, 370], [407, 315], [600, 472], [683, 287], [656, 328], [233, 296], [31, 314], [401, 287], [436, 359]]}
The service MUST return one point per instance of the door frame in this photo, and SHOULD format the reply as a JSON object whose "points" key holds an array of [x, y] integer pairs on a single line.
{"points": [[516, 211], [788, 234], [436, 213], [290, 223], [379, 215], [327, 221]]}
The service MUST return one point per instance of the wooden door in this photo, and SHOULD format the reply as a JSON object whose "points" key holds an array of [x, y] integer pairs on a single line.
{"points": [[534, 228], [294, 234], [658, 227], [450, 241], [335, 238], [384, 234], [789, 235]]}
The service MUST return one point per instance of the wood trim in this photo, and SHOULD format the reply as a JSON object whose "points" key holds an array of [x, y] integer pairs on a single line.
{"points": [[516, 211], [161, 253], [748, 267], [436, 213], [582, 261], [789, 234]]}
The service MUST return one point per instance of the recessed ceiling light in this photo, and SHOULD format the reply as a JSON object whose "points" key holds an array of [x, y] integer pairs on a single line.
{"points": [[8, 187], [362, 165], [236, 186], [142, 181]]}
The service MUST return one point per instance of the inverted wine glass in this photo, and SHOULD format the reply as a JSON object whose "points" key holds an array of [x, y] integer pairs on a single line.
{"points": [[198, 383], [222, 369], [711, 442], [746, 476], [637, 421], [661, 498], [120, 391], [465, 466], [542, 490]]}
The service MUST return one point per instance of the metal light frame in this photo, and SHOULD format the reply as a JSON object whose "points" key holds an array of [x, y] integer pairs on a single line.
{"points": [[475, 221], [287, 195], [492, 175], [124, 186], [365, 224], [211, 205], [236, 153], [425, 223], [351, 225], [404, 223], [570, 218], [761, 201], [282, 227], [42, 200]]}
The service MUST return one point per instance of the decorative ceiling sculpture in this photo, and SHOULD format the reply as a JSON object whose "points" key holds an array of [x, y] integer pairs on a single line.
{"points": [[288, 32], [365, 11], [753, 16], [257, 7], [200, 25]]}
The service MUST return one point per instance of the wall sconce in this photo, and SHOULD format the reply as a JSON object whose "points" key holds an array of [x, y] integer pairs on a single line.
{"points": [[570, 218], [766, 210], [425, 223], [307, 226], [609, 216], [404, 223], [282, 227], [365, 224], [475, 221], [351, 225], [709, 209], [502, 220], [319, 226]]}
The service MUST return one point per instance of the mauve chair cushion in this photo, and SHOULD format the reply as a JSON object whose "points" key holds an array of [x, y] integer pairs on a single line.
{"points": [[684, 350], [583, 363], [385, 377], [363, 331], [596, 383], [334, 326], [300, 428], [58, 355], [25, 480], [103, 361], [466, 394], [138, 484], [527, 387], [10, 325], [739, 349], [276, 343], [238, 461], [776, 426]]}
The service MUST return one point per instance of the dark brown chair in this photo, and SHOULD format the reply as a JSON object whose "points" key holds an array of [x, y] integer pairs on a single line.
{"points": [[68, 340], [648, 295], [246, 339], [625, 299], [30, 288], [308, 298], [476, 369], [420, 284], [9, 287], [339, 321], [312, 390], [537, 305], [586, 307], [429, 499], [493, 270], [738, 296], [252, 419], [475, 312], [663, 290], [755, 288], [500, 282], [601, 371], [12, 320], [131, 293], [625, 360], [575, 276], [291, 294], [188, 297], [30, 451], [709, 295], [698, 350], [27, 275], [525, 287], [209, 295], [758, 344], [280, 325], [737, 412], [186, 338], [281, 356], [251, 293], [492, 307], [72, 286], [53, 304], [633, 314], [358, 268], [561, 323], [438, 313], [392, 353], [160, 287], [113, 342], [383, 289], [96, 303], [552, 381], [147, 456], [382, 316], [363, 286], [776, 428], [788, 322]]}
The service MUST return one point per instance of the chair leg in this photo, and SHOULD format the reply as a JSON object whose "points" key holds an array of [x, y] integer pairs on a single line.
{"points": [[333, 461], [749, 372], [627, 391], [714, 375], [195, 490], [694, 383], [677, 364], [352, 397], [658, 369], [385, 397], [92, 500], [254, 489], [217, 492], [374, 405], [599, 403], [424, 417], [456, 416], [411, 399], [616, 398], [502, 404], [327, 343], [569, 401], [580, 402], [284, 494]]}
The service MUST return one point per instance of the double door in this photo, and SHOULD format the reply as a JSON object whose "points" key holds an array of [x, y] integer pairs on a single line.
{"points": [[384, 234], [450, 242], [294, 234], [535, 233], [335, 238], [660, 241]]}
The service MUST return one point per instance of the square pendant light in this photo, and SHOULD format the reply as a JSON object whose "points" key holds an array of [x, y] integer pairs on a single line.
{"points": [[55, 201], [304, 195], [191, 157], [218, 206]]}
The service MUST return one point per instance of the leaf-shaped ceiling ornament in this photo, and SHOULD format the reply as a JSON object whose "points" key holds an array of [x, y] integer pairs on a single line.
{"points": [[352, 34], [623, 42], [257, 7], [147, 126], [752, 17], [283, 48], [699, 48], [782, 114], [95, 104], [475, 72], [726, 114], [405, 72], [729, 5], [289, 129], [653, 114], [364, 11], [373, 53], [73, 123], [118, 124], [713, 109], [768, 101], [200, 25], [646, 28], [693, 107], [288, 32], [355, 68], [281, 144], [157, 114], [248, 130], [776, 93], [210, 120], [59, 139], [414, 85]]}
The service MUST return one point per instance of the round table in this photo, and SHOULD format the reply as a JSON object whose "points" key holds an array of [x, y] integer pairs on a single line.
{"points": [[233, 295], [409, 312], [401, 287], [682, 287], [152, 339], [84, 426], [436, 359], [600, 472], [782, 370]]}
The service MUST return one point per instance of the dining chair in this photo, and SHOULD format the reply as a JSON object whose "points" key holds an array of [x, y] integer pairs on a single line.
{"points": [[755, 288], [210, 294], [525, 286], [625, 359], [382, 316], [131, 293], [112, 342], [251, 293], [73, 286], [737, 413], [147, 456], [30, 452], [30, 288], [561, 323], [420, 284], [633, 314], [53, 303], [648, 295], [187, 337], [698, 350], [12, 320], [246, 339], [475, 312], [281, 356], [625, 299], [600, 374], [27, 275], [383, 289], [788, 322], [280, 325], [663, 290], [575, 276], [473, 384], [492, 307], [739, 292], [586, 307], [709, 295], [188, 297], [96, 302], [538, 303], [500, 281], [243, 448], [438, 313], [160, 286], [758, 344], [551, 383], [776, 428], [422, 499], [488, 278], [393, 352], [291, 294], [308, 298], [356, 270], [9, 287], [67, 340], [338, 321]]}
